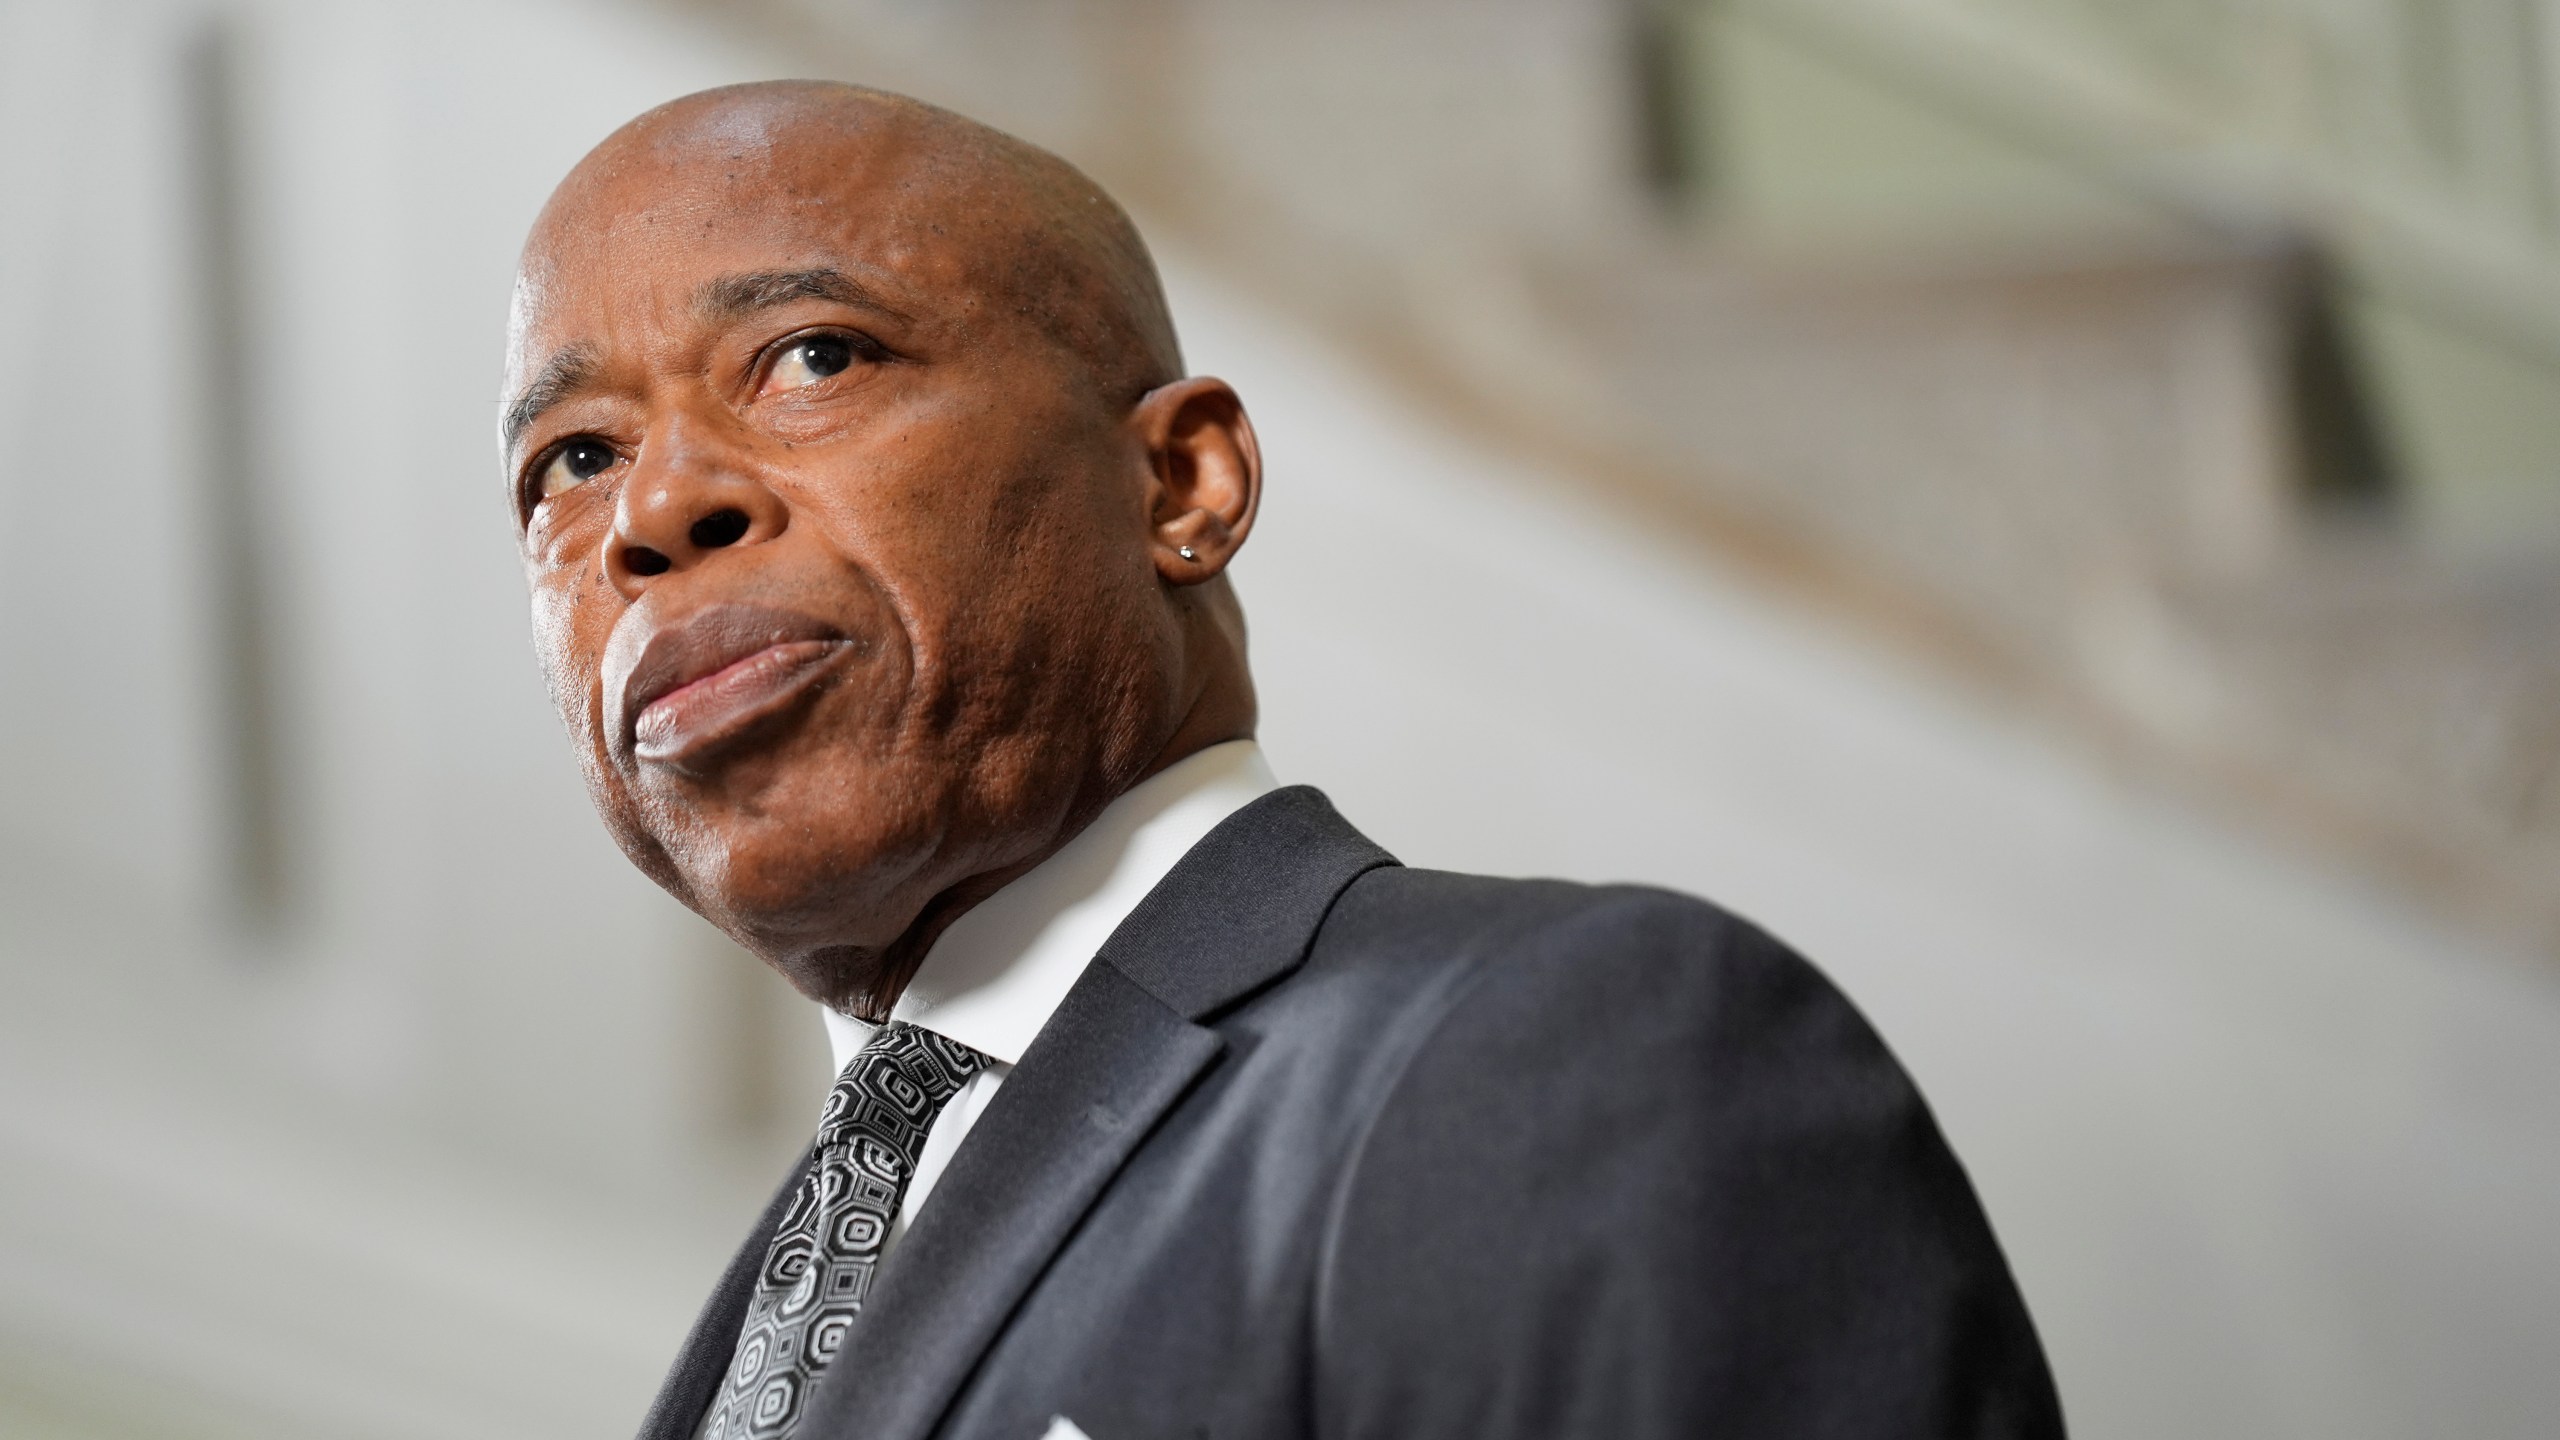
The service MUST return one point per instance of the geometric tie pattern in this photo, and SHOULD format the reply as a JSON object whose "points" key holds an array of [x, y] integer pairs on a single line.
{"points": [[823, 1256]]}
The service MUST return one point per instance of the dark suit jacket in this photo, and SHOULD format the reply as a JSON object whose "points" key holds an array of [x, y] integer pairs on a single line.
{"points": [[1320, 1145]]}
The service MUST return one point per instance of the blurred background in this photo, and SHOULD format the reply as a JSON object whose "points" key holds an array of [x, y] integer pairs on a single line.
{"points": [[2051, 505]]}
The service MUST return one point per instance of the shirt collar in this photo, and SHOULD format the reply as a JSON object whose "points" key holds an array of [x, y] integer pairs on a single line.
{"points": [[994, 978]]}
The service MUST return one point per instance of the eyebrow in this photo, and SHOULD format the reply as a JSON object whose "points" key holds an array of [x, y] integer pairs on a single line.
{"points": [[731, 297], [726, 299], [561, 376]]}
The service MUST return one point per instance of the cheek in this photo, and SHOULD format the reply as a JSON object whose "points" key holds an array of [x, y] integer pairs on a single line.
{"points": [[555, 644], [570, 626], [568, 639]]}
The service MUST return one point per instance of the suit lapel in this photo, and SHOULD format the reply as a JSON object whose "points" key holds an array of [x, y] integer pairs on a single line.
{"points": [[1241, 909], [713, 1342], [1105, 1068], [1237, 913]]}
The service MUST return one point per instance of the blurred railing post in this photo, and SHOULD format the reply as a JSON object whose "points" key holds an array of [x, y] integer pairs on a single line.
{"points": [[251, 823]]}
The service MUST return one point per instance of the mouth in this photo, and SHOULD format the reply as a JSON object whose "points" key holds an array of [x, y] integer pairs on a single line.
{"points": [[721, 675]]}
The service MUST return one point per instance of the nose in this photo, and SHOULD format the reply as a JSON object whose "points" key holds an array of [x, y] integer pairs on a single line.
{"points": [[675, 514]]}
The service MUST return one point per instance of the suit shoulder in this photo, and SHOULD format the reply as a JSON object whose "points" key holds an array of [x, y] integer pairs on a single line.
{"points": [[1402, 904], [1481, 985], [1743, 1212], [1582, 941]]}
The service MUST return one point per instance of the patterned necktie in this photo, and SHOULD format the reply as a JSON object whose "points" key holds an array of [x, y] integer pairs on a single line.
{"points": [[827, 1247]]}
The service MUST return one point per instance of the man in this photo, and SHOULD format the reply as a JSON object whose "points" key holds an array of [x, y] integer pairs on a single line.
{"points": [[877, 547]]}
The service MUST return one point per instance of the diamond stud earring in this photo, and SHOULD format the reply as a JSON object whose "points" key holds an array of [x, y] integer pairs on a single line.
{"points": [[1185, 553]]}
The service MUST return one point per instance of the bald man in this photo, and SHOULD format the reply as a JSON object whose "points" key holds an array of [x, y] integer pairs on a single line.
{"points": [[878, 549]]}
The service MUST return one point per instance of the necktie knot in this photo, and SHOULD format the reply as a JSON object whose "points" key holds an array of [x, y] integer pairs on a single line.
{"points": [[899, 1081]]}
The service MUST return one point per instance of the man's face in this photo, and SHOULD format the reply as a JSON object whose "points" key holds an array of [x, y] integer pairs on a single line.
{"points": [[839, 563]]}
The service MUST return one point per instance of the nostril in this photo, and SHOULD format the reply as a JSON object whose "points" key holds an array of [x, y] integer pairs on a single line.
{"points": [[720, 527], [641, 560]]}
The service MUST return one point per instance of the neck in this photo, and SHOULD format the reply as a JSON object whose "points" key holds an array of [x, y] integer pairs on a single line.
{"points": [[1212, 721], [1020, 900]]}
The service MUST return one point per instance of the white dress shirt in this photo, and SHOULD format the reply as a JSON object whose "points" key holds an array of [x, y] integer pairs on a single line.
{"points": [[995, 977]]}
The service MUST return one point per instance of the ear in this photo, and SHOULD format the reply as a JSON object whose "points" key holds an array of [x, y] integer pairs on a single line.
{"points": [[1205, 476]]}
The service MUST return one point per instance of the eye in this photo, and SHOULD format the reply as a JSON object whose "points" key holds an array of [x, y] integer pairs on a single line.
{"points": [[571, 466], [812, 358]]}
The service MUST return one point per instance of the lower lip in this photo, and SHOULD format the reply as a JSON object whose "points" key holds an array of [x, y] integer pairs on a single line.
{"points": [[691, 722]]}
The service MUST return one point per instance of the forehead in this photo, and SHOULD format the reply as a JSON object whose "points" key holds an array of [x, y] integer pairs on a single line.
{"points": [[642, 226]]}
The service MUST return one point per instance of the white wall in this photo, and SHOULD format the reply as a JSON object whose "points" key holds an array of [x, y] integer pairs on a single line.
{"points": [[2271, 1157]]}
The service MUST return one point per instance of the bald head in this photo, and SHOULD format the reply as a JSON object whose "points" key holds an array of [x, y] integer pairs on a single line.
{"points": [[875, 539], [1050, 247]]}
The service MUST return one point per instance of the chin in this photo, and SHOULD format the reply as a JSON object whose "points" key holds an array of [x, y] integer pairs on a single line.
{"points": [[791, 885], [801, 867]]}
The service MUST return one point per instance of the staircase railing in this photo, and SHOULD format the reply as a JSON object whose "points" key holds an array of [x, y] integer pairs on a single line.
{"points": [[2419, 138]]}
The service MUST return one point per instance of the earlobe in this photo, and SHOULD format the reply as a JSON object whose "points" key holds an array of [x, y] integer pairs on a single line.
{"points": [[1205, 476]]}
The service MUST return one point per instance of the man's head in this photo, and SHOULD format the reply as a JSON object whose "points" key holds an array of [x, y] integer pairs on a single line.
{"points": [[875, 541]]}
